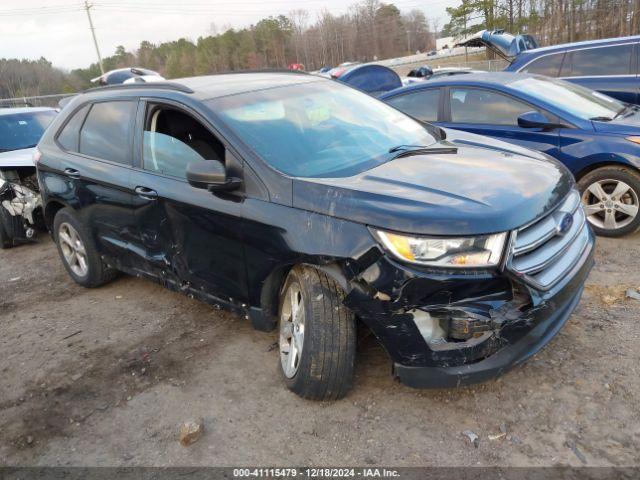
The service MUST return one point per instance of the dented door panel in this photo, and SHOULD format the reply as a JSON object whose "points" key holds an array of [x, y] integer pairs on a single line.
{"points": [[190, 237]]}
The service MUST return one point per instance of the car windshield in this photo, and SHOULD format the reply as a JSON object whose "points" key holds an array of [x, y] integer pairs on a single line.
{"points": [[574, 99], [319, 129], [24, 129]]}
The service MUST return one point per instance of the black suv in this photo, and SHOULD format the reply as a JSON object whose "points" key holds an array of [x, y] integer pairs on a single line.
{"points": [[301, 202]]}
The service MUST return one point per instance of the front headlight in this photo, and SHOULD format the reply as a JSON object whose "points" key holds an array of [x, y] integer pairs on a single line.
{"points": [[462, 252]]}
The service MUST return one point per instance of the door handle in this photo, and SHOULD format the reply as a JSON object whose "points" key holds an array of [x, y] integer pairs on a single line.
{"points": [[146, 193], [72, 173]]}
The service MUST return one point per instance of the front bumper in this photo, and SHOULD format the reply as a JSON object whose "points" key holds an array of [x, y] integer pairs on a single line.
{"points": [[419, 365]]}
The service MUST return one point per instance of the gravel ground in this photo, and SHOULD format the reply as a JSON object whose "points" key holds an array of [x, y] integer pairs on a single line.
{"points": [[107, 376]]}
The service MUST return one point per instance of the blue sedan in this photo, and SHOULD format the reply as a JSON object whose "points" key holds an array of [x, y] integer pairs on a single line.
{"points": [[595, 136]]}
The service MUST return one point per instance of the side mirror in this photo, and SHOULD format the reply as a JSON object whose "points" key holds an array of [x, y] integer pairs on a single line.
{"points": [[211, 175], [537, 120]]}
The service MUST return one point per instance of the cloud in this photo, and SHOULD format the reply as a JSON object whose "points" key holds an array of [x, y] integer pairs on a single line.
{"points": [[34, 28]]}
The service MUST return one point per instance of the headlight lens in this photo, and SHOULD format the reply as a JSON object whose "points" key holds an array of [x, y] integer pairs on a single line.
{"points": [[463, 252], [634, 139]]}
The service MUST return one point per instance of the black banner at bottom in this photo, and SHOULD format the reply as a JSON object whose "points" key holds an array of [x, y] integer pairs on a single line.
{"points": [[309, 473]]}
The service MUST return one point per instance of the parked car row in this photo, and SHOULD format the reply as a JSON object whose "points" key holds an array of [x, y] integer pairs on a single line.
{"points": [[441, 219]]}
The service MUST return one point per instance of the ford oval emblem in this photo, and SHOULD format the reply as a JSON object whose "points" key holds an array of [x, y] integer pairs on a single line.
{"points": [[565, 223]]}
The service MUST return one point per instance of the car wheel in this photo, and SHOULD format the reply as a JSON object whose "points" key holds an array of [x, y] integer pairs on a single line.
{"points": [[78, 252], [317, 336], [610, 196]]}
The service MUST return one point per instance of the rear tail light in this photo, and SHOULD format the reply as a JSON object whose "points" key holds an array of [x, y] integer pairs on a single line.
{"points": [[37, 155]]}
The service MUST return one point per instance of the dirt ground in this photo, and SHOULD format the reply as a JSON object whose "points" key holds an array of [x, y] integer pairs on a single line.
{"points": [[105, 377]]}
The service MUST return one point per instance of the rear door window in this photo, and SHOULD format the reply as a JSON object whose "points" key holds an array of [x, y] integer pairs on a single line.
{"points": [[548, 65], [106, 133], [69, 137], [601, 61], [422, 104], [475, 105]]}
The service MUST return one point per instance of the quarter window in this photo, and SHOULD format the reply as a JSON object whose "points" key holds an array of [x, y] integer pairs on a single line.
{"points": [[603, 61], [474, 105], [422, 105], [548, 65], [70, 134], [173, 139], [106, 131]]}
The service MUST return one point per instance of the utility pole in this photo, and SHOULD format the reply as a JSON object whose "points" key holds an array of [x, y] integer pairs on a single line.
{"points": [[93, 33]]}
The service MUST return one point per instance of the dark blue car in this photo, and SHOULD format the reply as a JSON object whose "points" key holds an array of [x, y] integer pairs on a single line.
{"points": [[595, 136], [609, 66], [370, 78]]}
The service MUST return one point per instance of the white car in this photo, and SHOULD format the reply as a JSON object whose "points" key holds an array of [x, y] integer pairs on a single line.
{"points": [[20, 203], [128, 75]]}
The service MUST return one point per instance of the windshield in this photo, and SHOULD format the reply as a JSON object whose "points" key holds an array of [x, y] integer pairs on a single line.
{"points": [[319, 129], [24, 129], [574, 99]]}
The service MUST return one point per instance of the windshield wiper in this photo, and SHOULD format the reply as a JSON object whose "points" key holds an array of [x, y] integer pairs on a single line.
{"points": [[624, 110], [408, 150], [601, 119], [399, 148]]}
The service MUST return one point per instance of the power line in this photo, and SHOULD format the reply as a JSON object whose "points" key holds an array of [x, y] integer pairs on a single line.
{"points": [[39, 11], [88, 7]]}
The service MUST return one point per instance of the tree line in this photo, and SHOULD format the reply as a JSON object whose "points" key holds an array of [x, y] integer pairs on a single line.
{"points": [[370, 30], [550, 21]]}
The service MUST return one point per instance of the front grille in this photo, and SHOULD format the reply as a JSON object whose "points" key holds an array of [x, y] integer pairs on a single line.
{"points": [[546, 250]]}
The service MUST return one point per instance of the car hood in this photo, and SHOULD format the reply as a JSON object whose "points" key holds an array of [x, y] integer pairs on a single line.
{"points": [[504, 44], [17, 158], [474, 191]]}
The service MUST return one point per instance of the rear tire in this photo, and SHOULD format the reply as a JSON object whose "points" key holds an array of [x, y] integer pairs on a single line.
{"points": [[6, 239], [78, 252], [611, 199], [324, 328]]}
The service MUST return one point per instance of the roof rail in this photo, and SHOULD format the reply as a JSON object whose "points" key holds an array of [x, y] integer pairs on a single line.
{"points": [[162, 85], [262, 70]]}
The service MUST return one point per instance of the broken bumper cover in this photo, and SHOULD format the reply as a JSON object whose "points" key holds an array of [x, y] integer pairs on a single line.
{"points": [[559, 305]]}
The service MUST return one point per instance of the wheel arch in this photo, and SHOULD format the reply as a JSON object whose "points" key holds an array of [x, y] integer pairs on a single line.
{"points": [[601, 163], [264, 318], [50, 210]]}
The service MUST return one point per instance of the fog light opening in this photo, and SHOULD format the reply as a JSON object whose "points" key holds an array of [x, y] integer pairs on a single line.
{"points": [[429, 327]]}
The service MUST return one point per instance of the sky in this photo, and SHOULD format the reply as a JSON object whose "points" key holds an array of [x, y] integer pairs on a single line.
{"points": [[59, 30]]}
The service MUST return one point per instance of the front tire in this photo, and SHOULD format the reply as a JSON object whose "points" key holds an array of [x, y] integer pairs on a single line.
{"points": [[611, 199], [78, 252], [317, 336]]}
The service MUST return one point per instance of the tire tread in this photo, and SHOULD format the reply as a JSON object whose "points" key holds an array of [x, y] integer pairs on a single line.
{"points": [[327, 371]]}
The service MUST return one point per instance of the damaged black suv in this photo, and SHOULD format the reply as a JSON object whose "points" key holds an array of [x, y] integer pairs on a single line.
{"points": [[306, 205]]}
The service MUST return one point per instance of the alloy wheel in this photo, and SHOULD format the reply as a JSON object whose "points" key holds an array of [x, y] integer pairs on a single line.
{"points": [[292, 330], [610, 204], [73, 250]]}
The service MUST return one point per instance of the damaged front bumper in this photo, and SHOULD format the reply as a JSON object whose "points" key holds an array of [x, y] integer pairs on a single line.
{"points": [[20, 206], [444, 331]]}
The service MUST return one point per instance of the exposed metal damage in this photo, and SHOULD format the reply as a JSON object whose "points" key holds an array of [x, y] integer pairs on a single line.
{"points": [[20, 205], [429, 320]]}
